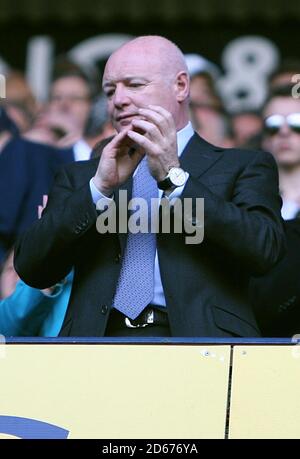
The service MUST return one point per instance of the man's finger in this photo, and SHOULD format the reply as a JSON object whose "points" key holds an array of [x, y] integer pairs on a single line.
{"points": [[144, 143], [145, 127]]}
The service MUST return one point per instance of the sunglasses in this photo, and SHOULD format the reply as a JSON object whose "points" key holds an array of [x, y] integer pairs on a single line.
{"points": [[273, 123]]}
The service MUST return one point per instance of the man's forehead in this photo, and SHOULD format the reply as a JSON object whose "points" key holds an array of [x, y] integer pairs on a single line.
{"points": [[134, 55], [126, 71], [68, 83]]}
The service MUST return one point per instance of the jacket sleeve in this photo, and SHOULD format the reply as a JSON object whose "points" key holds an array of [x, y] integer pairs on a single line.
{"points": [[44, 253], [249, 226]]}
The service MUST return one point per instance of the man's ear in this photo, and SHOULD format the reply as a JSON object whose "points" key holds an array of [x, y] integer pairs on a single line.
{"points": [[182, 86]]}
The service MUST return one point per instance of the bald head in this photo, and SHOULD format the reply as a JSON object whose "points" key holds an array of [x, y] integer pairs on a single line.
{"points": [[158, 51], [148, 70]]}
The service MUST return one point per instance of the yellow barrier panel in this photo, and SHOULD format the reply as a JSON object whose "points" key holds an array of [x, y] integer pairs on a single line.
{"points": [[118, 391], [265, 397]]}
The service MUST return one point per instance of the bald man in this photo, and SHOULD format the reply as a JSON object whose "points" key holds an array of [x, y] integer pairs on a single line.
{"points": [[156, 282]]}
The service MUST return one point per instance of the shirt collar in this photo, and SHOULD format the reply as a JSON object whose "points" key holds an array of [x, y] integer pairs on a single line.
{"points": [[183, 136], [82, 151]]}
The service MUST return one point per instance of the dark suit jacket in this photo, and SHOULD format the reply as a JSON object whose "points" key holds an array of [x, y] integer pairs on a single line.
{"points": [[27, 171], [205, 285], [276, 295]]}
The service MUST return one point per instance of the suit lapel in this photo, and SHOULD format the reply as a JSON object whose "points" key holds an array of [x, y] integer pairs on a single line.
{"points": [[199, 155]]}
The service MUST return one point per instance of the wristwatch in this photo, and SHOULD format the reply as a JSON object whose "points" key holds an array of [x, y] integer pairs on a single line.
{"points": [[176, 177]]}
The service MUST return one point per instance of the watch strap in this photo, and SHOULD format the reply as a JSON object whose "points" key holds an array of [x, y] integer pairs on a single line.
{"points": [[165, 184]]}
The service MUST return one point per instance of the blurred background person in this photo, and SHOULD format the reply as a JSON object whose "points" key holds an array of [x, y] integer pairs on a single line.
{"points": [[19, 103], [246, 125], [213, 124], [276, 296], [62, 120], [282, 76], [208, 115], [203, 75], [76, 113], [281, 115]]}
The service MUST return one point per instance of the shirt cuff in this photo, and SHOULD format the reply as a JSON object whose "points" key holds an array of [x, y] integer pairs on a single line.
{"points": [[97, 195]]}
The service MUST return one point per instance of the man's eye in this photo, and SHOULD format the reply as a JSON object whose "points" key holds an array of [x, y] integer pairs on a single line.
{"points": [[109, 93], [136, 85]]}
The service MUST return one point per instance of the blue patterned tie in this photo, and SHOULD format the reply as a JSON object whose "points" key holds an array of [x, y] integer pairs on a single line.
{"points": [[135, 287]]}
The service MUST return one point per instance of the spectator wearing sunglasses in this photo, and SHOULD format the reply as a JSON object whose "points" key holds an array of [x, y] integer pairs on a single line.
{"points": [[282, 139], [276, 295]]}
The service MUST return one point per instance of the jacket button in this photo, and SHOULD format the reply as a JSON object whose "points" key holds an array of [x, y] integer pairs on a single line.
{"points": [[104, 309]]}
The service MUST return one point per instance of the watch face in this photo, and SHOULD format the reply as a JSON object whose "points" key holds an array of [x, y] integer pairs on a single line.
{"points": [[177, 176]]}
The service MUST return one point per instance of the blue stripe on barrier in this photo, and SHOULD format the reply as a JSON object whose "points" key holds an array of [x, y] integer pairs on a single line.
{"points": [[150, 340], [27, 428]]}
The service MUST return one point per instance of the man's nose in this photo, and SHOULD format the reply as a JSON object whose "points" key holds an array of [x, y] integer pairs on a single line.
{"points": [[61, 103], [121, 97], [65, 106], [285, 129]]}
